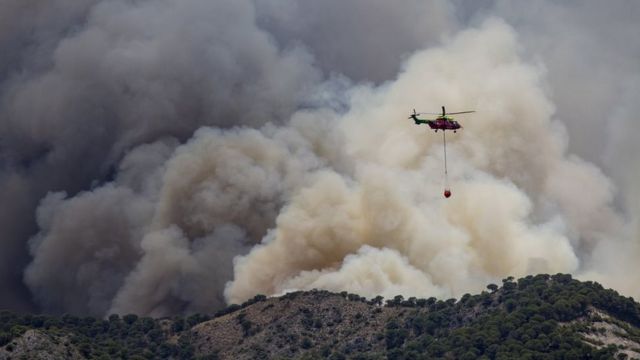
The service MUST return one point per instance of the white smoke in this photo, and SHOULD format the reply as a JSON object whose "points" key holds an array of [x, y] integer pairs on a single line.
{"points": [[506, 164]]}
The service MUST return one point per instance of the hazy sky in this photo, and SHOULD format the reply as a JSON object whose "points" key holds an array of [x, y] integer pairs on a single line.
{"points": [[165, 156]]}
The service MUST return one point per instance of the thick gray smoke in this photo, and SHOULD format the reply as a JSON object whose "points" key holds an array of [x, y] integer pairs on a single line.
{"points": [[295, 178], [366, 40], [83, 84]]}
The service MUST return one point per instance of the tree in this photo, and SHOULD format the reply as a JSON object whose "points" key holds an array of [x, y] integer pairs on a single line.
{"points": [[306, 343], [130, 318]]}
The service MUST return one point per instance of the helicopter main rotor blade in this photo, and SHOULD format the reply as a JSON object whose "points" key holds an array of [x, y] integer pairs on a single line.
{"points": [[461, 112]]}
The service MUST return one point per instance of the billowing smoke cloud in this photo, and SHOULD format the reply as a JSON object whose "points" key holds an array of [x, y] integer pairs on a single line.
{"points": [[83, 84], [515, 209], [589, 51], [297, 178]]}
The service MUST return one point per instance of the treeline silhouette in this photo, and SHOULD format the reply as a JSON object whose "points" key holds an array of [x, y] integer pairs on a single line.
{"points": [[535, 317]]}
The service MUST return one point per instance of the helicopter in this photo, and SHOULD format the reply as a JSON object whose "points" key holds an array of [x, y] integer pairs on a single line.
{"points": [[442, 122]]}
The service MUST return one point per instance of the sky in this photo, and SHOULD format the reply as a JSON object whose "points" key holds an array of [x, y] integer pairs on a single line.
{"points": [[166, 157]]}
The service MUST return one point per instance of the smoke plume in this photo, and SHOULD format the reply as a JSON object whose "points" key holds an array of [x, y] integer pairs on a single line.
{"points": [[81, 89], [165, 157], [515, 208]]}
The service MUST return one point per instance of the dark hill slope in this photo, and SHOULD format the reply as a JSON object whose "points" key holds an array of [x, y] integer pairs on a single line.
{"points": [[536, 317]]}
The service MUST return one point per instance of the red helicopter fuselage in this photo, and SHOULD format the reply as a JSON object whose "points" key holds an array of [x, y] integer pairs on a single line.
{"points": [[442, 123]]}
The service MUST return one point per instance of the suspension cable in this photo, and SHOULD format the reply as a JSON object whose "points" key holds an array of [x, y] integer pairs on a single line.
{"points": [[446, 175]]}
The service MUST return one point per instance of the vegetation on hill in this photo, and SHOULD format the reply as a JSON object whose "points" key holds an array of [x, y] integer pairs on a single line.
{"points": [[533, 318], [536, 317]]}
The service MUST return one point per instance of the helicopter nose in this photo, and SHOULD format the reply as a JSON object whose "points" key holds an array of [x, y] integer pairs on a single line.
{"points": [[447, 193]]}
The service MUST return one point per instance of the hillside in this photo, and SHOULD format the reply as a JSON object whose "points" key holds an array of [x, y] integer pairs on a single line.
{"points": [[536, 317]]}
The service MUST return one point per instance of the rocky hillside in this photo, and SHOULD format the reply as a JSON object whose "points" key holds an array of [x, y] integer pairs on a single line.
{"points": [[536, 317]]}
